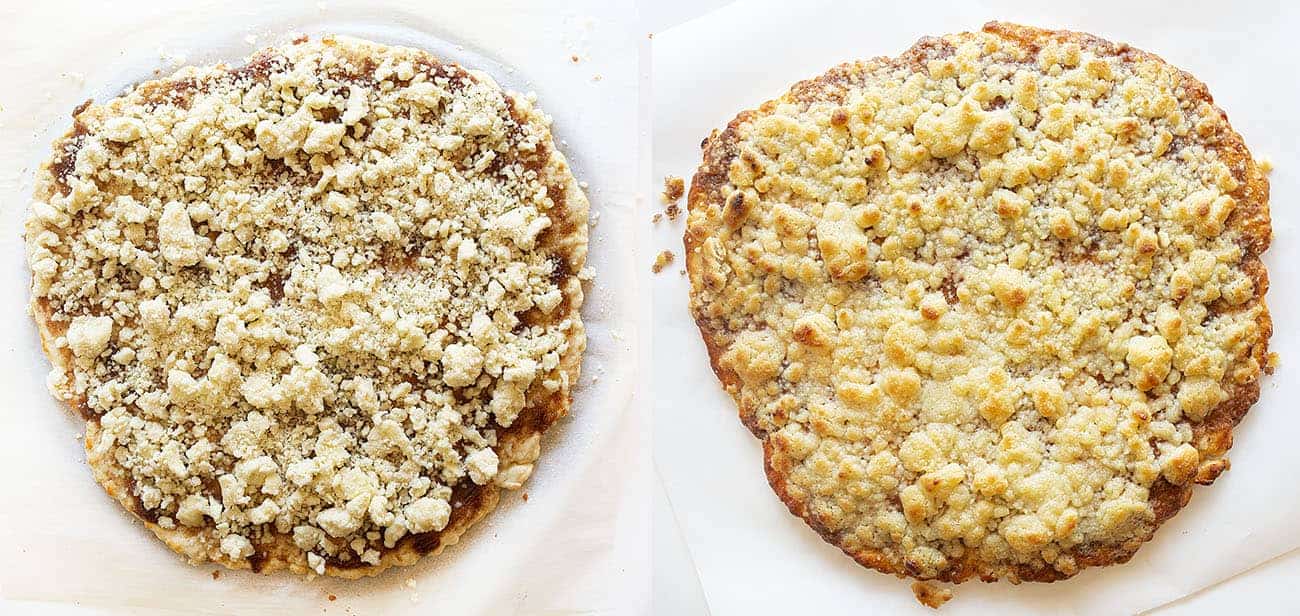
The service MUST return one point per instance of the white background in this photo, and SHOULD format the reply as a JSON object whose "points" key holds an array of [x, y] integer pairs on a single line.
{"points": [[751, 554], [578, 545]]}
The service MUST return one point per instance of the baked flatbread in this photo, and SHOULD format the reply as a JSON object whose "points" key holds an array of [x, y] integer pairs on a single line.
{"points": [[993, 306], [317, 309]]}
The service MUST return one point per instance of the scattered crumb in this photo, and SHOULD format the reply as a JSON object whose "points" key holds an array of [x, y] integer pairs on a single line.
{"points": [[410, 583], [583, 185], [1272, 362], [216, 574], [674, 188], [1265, 164], [525, 494], [657, 217], [174, 59], [596, 77], [931, 595], [664, 259], [650, 35], [332, 598], [574, 58], [681, 272]]}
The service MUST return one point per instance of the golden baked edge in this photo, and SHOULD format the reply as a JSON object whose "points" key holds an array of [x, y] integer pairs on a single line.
{"points": [[1212, 436], [519, 445]]}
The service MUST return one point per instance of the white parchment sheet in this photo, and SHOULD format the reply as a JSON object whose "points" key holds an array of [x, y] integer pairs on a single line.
{"points": [[752, 556], [578, 545]]}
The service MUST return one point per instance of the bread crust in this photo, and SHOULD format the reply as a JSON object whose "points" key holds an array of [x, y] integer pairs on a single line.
{"points": [[1212, 435], [518, 446]]}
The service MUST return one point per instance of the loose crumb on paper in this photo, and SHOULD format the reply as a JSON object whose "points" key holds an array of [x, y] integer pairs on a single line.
{"points": [[216, 574], [931, 595], [1265, 164], [674, 188], [662, 260], [1273, 361], [173, 59], [657, 217]]}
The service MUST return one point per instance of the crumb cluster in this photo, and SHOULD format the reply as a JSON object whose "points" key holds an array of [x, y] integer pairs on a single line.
{"points": [[662, 260], [993, 306], [674, 188], [310, 306]]}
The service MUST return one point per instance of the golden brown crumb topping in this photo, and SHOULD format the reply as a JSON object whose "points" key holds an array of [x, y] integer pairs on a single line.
{"points": [[305, 297], [991, 305]]}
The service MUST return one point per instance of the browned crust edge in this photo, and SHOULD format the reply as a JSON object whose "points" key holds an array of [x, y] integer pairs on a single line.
{"points": [[566, 240], [1212, 436]]}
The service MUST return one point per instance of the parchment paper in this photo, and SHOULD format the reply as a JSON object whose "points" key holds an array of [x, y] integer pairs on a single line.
{"points": [[753, 557], [578, 545]]}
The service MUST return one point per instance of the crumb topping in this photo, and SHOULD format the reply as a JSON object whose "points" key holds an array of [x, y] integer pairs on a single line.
{"points": [[307, 296], [981, 301]]}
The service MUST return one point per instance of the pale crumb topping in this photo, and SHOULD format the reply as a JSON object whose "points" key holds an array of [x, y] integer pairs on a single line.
{"points": [[304, 297], [978, 300]]}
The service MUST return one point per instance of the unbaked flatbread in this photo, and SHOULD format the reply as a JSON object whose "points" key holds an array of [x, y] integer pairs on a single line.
{"points": [[317, 309]]}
